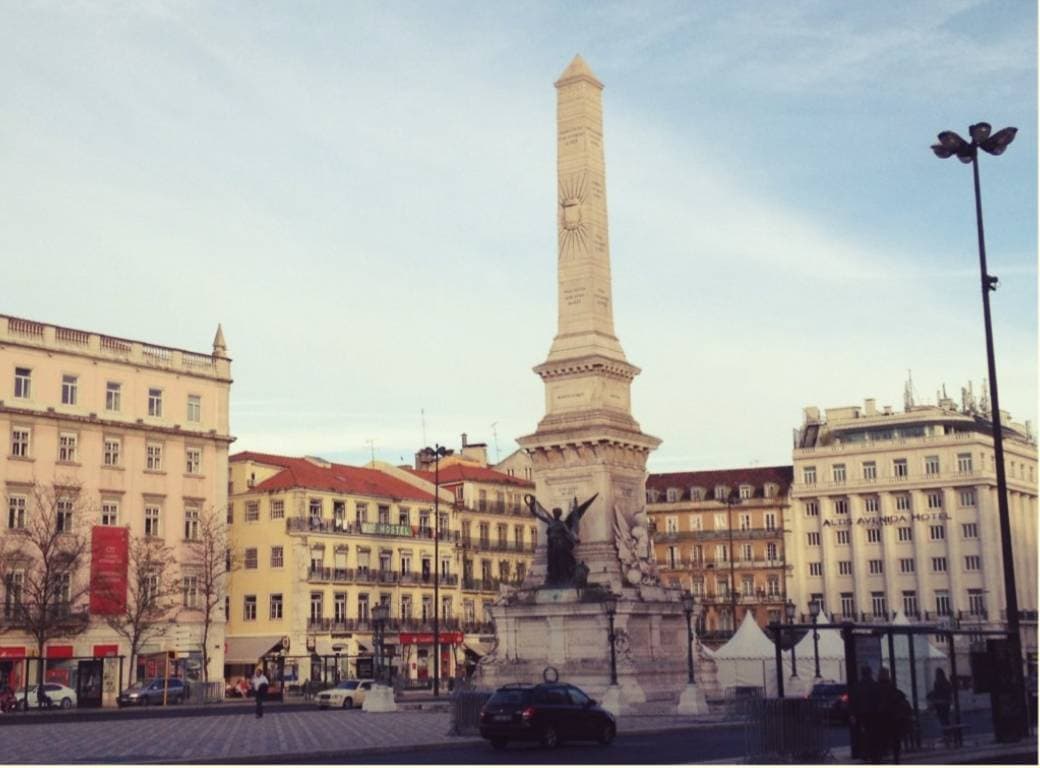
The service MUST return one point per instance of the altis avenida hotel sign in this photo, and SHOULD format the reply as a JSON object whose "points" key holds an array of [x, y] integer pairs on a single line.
{"points": [[879, 520]]}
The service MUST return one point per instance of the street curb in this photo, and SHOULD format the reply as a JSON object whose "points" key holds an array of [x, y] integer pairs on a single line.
{"points": [[299, 757]]}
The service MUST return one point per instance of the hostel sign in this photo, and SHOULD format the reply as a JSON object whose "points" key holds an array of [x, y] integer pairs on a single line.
{"points": [[879, 520]]}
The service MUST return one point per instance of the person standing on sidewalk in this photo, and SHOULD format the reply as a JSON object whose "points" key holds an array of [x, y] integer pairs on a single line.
{"points": [[259, 683]]}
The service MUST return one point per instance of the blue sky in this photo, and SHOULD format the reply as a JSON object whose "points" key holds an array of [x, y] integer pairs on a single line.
{"points": [[364, 195]]}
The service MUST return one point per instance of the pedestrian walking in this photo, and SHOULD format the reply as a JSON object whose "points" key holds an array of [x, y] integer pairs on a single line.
{"points": [[939, 697], [259, 683], [865, 717], [895, 716]]}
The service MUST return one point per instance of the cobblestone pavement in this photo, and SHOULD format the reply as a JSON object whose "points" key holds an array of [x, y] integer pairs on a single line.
{"points": [[205, 738]]}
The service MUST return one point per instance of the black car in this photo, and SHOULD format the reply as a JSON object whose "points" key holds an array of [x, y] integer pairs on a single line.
{"points": [[833, 698], [550, 713], [151, 692]]}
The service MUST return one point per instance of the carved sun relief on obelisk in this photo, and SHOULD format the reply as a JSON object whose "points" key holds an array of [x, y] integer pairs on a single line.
{"points": [[574, 232]]}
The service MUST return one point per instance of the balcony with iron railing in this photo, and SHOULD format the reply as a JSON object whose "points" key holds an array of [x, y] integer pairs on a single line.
{"points": [[487, 545], [911, 481], [737, 535], [395, 624], [303, 524], [489, 584], [486, 506], [327, 575]]}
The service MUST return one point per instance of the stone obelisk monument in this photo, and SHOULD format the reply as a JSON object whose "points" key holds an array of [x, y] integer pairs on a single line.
{"points": [[589, 445]]}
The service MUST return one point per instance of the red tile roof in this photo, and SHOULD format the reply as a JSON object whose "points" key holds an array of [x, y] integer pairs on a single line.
{"points": [[341, 478], [455, 473], [734, 478]]}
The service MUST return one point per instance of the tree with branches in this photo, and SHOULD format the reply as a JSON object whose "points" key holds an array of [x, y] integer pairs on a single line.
{"points": [[208, 564], [152, 589], [44, 559]]}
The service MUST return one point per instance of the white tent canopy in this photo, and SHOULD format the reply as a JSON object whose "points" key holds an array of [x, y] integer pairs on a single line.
{"points": [[832, 653], [748, 642], [749, 659]]}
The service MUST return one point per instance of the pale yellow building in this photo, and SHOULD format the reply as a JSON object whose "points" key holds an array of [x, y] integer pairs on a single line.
{"points": [[317, 545], [143, 431], [897, 511]]}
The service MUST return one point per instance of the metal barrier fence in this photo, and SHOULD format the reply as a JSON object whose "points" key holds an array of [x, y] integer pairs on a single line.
{"points": [[205, 693], [785, 729], [465, 711]]}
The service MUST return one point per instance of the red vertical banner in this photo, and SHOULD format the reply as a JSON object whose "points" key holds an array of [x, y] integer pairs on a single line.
{"points": [[109, 555]]}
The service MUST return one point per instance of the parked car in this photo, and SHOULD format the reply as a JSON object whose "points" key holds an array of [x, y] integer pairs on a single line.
{"points": [[547, 713], [834, 698], [345, 694], [57, 696], [151, 692]]}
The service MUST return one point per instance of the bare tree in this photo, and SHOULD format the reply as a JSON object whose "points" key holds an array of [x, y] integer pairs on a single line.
{"points": [[152, 589], [44, 555], [208, 564]]}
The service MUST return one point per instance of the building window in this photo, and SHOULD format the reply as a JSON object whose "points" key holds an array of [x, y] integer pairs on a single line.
{"points": [[112, 451], [876, 567], [113, 396], [249, 608], [967, 497], [938, 565], [848, 604], [23, 383], [277, 557], [869, 470], [671, 495], [747, 553], [671, 525], [16, 512], [63, 508], [841, 536], [906, 565], [935, 500], [696, 523], [721, 553], [839, 473], [964, 462], [942, 602], [937, 532], [770, 520], [745, 521], [905, 533], [276, 606], [277, 509], [721, 492], [771, 551], [673, 557], [697, 553], [318, 606], [976, 602], [747, 586], [899, 468], [404, 516], [190, 591], [812, 508], [873, 535], [191, 523], [67, 447], [20, 442], [878, 605], [193, 461], [69, 389], [903, 502], [972, 563], [970, 530], [931, 465], [871, 504], [251, 558], [194, 408], [813, 538], [773, 586], [844, 567], [721, 523], [361, 513], [910, 603], [809, 475], [815, 569], [696, 494], [155, 402], [746, 491], [252, 511], [153, 457], [152, 517], [109, 512], [841, 506]]}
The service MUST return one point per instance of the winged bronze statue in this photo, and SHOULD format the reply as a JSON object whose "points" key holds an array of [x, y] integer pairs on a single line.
{"points": [[561, 538]]}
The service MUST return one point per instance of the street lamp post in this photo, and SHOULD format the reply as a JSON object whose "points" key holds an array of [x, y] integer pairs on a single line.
{"points": [[950, 144], [379, 615], [789, 609], [732, 498], [438, 452], [814, 609], [688, 604], [610, 604]]}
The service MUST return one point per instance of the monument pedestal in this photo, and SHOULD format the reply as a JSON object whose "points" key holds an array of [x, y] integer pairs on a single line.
{"points": [[692, 701], [379, 699], [568, 629]]}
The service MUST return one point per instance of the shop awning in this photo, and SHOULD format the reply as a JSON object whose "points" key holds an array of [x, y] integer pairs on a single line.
{"points": [[249, 650]]}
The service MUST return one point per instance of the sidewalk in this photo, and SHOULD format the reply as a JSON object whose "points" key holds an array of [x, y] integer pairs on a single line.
{"points": [[285, 732]]}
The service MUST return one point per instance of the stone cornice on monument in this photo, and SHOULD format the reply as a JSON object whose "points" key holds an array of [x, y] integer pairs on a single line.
{"points": [[577, 366]]}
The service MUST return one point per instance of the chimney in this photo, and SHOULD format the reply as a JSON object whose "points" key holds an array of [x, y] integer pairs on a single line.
{"points": [[464, 440], [870, 407]]}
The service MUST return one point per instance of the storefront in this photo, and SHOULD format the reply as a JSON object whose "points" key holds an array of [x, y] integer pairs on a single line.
{"points": [[417, 658], [59, 665], [12, 666]]}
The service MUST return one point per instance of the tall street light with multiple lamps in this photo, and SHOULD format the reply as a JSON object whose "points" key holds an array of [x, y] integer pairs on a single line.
{"points": [[438, 451], [688, 605], [789, 610], [814, 609], [952, 145]]}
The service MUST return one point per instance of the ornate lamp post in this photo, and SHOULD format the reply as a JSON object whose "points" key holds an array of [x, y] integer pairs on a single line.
{"points": [[438, 451], [789, 610], [814, 609], [610, 604], [732, 499], [688, 605], [951, 144], [379, 616]]}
